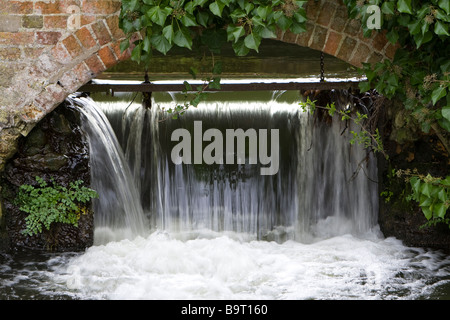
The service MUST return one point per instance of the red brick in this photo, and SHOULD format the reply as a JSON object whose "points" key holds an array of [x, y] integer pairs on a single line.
{"points": [[60, 53], [391, 49], [55, 22], [16, 7], [95, 65], [101, 32], [107, 56], [347, 48], [33, 52], [72, 46], [333, 41], [85, 37], [326, 14], [101, 6], [379, 41], [303, 38], [16, 38], [75, 78], [113, 25], [360, 55], [9, 53], [54, 7], [120, 55], [318, 38], [47, 37]]}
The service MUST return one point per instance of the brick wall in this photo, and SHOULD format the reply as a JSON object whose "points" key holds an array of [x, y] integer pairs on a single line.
{"points": [[49, 48]]}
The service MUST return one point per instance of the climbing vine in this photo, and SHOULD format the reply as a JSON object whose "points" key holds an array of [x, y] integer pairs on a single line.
{"points": [[418, 77], [191, 24]]}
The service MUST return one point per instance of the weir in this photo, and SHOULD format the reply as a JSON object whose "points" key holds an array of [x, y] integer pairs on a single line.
{"points": [[315, 191]]}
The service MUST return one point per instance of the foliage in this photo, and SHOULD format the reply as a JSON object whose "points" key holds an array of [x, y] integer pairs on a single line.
{"points": [[47, 204], [419, 74], [364, 136], [192, 24], [431, 193], [183, 23]]}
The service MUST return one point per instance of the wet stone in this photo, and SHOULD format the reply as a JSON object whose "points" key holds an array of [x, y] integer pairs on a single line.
{"points": [[56, 149]]}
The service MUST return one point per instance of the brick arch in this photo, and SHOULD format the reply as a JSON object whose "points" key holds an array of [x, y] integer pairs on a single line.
{"points": [[42, 60]]}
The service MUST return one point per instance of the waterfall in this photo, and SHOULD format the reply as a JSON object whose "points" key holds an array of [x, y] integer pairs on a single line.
{"points": [[118, 211], [315, 192]]}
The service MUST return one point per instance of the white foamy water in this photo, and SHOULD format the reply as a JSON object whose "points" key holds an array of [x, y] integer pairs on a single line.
{"points": [[328, 245], [211, 265]]}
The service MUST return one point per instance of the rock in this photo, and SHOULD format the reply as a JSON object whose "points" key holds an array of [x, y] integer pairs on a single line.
{"points": [[55, 149]]}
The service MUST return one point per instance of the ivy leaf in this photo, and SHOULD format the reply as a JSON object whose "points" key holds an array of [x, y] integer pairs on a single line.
{"points": [[423, 38], [235, 33], [182, 38], [161, 43], [252, 41], [392, 36], [189, 20], [404, 6], [437, 94], [199, 2], [168, 33], [202, 18], [263, 12], [445, 5], [446, 112], [124, 45], [283, 22], [158, 15], [240, 49], [216, 8], [387, 8], [441, 29], [439, 209]]}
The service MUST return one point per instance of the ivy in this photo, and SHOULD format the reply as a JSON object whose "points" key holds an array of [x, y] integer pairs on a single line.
{"points": [[164, 24], [244, 23], [419, 74], [47, 204], [431, 193]]}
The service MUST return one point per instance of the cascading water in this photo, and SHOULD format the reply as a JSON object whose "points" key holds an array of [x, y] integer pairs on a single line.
{"points": [[196, 231], [118, 212], [312, 184]]}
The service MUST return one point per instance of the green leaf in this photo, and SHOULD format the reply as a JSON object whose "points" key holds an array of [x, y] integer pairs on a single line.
{"points": [[182, 38], [283, 22], [168, 33], [423, 38], [426, 189], [427, 212], [159, 15], [415, 26], [124, 45], [161, 43], [263, 12], [437, 94], [445, 5], [441, 29], [240, 49], [235, 33], [202, 18], [387, 8], [439, 209], [446, 112], [216, 8], [199, 2], [252, 41], [404, 6], [189, 20], [392, 36]]}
